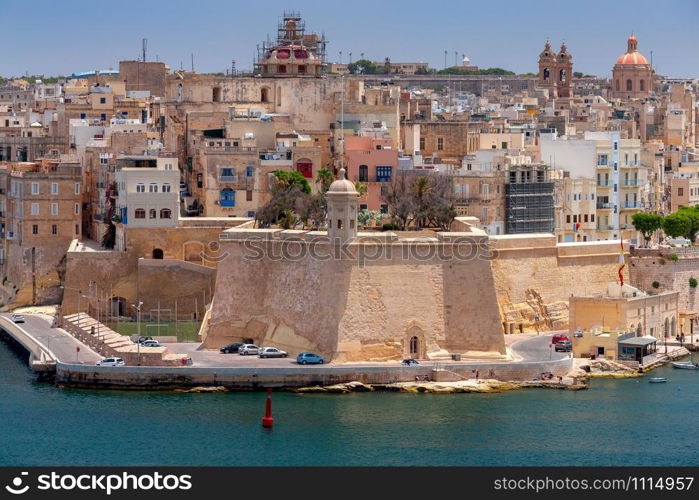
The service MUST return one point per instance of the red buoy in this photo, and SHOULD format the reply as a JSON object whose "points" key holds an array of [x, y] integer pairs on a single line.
{"points": [[268, 421]]}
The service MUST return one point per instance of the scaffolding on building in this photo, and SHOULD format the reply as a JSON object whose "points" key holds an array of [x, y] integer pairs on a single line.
{"points": [[291, 30], [529, 207]]}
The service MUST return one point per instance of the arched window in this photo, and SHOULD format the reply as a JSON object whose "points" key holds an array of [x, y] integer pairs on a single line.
{"points": [[166, 187], [264, 94], [562, 75], [153, 187], [140, 213], [547, 73], [165, 213], [140, 188], [629, 85], [642, 85], [152, 213]]}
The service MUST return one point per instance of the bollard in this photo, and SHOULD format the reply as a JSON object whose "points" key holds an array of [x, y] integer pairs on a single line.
{"points": [[268, 421]]}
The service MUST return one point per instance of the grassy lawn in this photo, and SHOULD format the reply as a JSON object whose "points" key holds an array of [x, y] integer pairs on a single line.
{"points": [[186, 331]]}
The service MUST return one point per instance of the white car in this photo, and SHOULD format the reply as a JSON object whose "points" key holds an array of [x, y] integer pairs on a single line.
{"points": [[272, 352], [17, 318], [151, 343], [111, 362], [246, 349]]}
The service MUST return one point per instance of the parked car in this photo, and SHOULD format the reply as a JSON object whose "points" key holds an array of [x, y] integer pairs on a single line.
{"points": [[410, 362], [151, 343], [227, 349], [246, 349], [680, 242], [18, 318], [111, 362], [559, 337], [144, 338], [309, 358], [578, 334], [272, 352], [565, 346]]}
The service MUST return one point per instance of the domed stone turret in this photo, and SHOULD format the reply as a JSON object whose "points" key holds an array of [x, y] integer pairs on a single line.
{"points": [[342, 210]]}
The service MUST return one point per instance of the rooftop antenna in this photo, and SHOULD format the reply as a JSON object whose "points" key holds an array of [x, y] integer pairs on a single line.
{"points": [[144, 43]]}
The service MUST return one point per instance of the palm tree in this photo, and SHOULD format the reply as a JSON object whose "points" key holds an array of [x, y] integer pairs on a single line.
{"points": [[362, 189], [324, 178]]}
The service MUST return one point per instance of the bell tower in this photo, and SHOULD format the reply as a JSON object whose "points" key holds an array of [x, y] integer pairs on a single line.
{"points": [[564, 72], [547, 69]]}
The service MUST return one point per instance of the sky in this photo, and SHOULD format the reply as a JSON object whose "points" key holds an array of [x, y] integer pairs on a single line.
{"points": [[52, 37]]}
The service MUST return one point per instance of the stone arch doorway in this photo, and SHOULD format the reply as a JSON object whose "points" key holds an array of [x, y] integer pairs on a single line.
{"points": [[415, 343], [158, 253]]}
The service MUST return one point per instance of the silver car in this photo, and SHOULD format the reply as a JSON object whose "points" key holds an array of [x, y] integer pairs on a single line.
{"points": [[111, 362], [246, 349], [272, 352]]}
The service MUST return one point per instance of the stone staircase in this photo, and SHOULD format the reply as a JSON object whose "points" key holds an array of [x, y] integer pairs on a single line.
{"points": [[108, 343]]}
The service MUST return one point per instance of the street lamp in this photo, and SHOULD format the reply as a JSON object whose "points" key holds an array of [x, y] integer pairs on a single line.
{"points": [[80, 294], [138, 329]]}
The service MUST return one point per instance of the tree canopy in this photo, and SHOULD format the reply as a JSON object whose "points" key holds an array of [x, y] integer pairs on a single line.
{"points": [[647, 224]]}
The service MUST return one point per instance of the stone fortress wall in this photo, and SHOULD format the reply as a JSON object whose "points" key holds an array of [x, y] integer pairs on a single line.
{"points": [[356, 309]]}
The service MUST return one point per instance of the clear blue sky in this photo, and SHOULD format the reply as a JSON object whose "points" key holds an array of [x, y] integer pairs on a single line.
{"points": [[61, 37]]}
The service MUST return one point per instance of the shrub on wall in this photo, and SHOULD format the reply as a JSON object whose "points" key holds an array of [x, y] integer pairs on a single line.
{"points": [[693, 282], [656, 284], [673, 257]]}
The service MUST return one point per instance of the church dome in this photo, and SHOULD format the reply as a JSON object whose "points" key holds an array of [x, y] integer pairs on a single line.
{"points": [[342, 185], [632, 55]]}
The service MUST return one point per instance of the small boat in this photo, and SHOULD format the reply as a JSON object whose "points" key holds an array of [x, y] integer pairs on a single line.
{"points": [[686, 365], [657, 380]]}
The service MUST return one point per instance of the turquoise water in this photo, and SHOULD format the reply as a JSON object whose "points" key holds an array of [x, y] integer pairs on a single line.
{"points": [[616, 422]]}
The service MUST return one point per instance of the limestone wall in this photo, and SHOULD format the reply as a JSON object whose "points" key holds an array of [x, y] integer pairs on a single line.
{"points": [[357, 306], [647, 266], [534, 276]]}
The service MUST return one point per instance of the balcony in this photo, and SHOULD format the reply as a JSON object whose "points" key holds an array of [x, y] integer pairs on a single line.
{"points": [[605, 206], [228, 178], [631, 205], [630, 183], [604, 183], [227, 203]]}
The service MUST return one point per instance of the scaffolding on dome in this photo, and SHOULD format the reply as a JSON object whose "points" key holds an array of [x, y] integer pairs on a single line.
{"points": [[291, 30]]}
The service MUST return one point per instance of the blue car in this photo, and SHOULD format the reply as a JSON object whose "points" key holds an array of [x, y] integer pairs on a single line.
{"points": [[309, 358]]}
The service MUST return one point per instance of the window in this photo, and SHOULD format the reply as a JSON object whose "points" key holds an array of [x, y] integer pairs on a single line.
{"points": [[54, 208], [77, 188], [642, 85], [383, 174], [83, 116], [35, 229], [227, 172], [166, 187], [422, 143], [363, 173], [35, 209], [384, 209], [629, 85], [248, 195], [165, 213], [35, 188], [602, 160], [152, 187], [103, 100], [568, 219], [592, 217], [140, 213], [54, 229], [680, 191], [249, 170], [77, 208], [305, 167], [152, 213], [103, 117], [140, 188], [440, 143], [227, 198], [54, 188]]}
